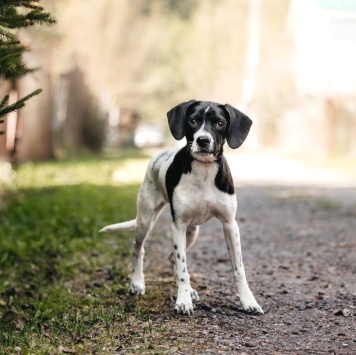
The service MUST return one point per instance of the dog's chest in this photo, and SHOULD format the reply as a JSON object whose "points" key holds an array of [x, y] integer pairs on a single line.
{"points": [[196, 199]]}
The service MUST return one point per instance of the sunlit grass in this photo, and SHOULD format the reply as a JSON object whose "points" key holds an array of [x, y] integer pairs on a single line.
{"points": [[93, 170], [60, 280]]}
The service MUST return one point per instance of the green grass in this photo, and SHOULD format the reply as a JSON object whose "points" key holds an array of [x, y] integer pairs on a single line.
{"points": [[62, 284]]}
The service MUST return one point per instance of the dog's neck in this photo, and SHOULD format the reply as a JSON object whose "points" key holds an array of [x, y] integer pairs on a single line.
{"points": [[220, 171]]}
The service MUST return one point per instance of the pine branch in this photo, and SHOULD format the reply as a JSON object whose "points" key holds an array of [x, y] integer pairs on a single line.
{"points": [[11, 64], [16, 14], [10, 17], [19, 104], [7, 36], [4, 101], [5, 110], [11, 50]]}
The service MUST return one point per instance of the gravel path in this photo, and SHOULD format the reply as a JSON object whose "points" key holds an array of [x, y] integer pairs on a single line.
{"points": [[299, 249]]}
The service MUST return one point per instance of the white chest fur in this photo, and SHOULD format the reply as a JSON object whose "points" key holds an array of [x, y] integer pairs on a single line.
{"points": [[196, 198]]}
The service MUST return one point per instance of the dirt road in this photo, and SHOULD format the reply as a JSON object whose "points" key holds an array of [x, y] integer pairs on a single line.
{"points": [[299, 249]]}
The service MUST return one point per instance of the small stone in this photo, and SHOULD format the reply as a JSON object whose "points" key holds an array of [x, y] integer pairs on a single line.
{"points": [[249, 345], [346, 312], [342, 312], [284, 267]]}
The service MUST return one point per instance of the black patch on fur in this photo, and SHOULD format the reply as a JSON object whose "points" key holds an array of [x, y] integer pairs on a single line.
{"points": [[176, 118], [182, 164], [223, 179], [239, 128]]}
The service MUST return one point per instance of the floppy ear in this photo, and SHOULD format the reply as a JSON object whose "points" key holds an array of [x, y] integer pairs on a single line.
{"points": [[240, 125], [176, 119]]}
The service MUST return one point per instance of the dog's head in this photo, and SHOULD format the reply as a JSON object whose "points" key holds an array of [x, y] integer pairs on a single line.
{"points": [[207, 125]]}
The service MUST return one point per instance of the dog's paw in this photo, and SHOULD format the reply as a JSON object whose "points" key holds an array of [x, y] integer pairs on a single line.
{"points": [[253, 309], [194, 295], [184, 308], [249, 304], [137, 289]]}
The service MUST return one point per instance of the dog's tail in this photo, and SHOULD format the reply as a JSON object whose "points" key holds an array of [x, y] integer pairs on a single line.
{"points": [[119, 226]]}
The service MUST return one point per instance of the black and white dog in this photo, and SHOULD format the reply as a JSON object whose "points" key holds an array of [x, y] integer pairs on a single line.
{"points": [[197, 183]]}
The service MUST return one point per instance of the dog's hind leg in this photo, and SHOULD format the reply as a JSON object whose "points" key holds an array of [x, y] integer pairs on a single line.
{"points": [[149, 207]]}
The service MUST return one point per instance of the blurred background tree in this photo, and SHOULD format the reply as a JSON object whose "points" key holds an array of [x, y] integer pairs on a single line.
{"points": [[110, 65], [16, 15]]}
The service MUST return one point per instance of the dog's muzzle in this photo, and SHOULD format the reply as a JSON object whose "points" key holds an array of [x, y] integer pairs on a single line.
{"points": [[203, 149], [204, 142]]}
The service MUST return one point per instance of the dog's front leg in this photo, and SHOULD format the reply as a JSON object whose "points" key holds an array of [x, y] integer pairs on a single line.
{"points": [[184, 302], [191, 236], [232, 237]]}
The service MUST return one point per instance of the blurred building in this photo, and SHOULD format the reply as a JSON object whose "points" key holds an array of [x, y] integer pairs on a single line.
{"points": [[324, 33], [324, 116]]}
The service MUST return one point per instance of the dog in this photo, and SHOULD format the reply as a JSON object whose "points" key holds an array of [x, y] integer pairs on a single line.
{"points": [[197, 183]]}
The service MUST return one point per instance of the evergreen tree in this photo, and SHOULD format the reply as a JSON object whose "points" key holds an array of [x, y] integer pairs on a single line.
{"points": [[14, 15]]}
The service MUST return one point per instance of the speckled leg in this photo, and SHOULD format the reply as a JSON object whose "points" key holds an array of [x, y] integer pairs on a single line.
{"points": [[191, 236], [232, 237], [184, 304]]}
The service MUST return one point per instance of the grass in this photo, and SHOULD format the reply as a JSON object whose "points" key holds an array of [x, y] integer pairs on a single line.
{"points": [[62, 285]]}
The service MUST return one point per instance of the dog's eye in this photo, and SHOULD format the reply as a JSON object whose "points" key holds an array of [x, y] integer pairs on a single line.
{"points": [[193, 122], [220, 124]]}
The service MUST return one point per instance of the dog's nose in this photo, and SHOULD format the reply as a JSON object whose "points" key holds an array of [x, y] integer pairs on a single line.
{"points": [[203, 141]]}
